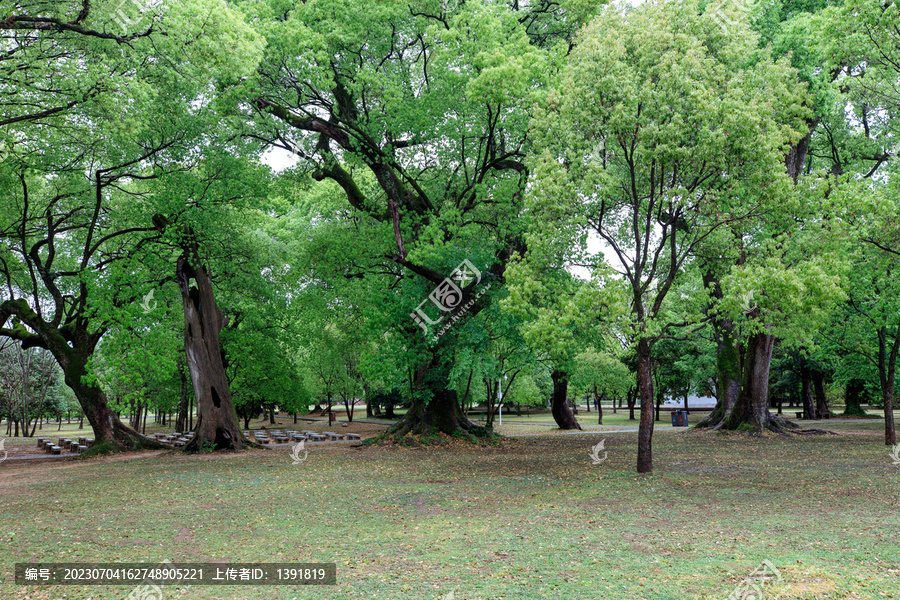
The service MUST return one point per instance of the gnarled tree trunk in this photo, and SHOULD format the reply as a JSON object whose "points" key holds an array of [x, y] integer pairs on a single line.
{"points": [[217, 420]]}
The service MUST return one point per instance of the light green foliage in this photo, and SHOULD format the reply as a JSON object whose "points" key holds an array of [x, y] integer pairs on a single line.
{"points": [[601, 370], [663, 130]]}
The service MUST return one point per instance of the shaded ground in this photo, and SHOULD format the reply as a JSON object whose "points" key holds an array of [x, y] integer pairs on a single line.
{"points": [[532, 519]]}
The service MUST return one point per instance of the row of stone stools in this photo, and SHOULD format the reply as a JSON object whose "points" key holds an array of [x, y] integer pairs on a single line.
{"points": [[176, 439], [276, 436], [79, 446]]}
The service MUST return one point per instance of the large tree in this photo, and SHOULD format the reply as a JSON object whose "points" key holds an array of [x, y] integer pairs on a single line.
{"points": [[664, 131], [90, 115], [419, 113]]}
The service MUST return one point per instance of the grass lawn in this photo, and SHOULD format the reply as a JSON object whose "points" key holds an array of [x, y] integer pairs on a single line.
{"points": [[531, 519]]}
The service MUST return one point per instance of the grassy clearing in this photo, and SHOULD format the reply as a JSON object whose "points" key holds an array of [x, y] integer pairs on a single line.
{"points": [[532, 519]]}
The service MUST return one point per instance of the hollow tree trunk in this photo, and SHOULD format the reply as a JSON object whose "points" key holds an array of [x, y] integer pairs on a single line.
{"points": [[852, 398], [751, 410], [645, 389], [217, 421], [562, 414]]}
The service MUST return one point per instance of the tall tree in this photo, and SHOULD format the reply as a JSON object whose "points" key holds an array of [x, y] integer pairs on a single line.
{"points": [[662, 133], [91, 115], [419, 113]]}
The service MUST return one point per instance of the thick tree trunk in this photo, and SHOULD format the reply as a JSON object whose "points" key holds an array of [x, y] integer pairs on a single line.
{"points": [[72, 353], [217, 421], [645, 389], [796, 156], [853, 398], [558, 407], [110, 434], [434, 409], [751, 410]]}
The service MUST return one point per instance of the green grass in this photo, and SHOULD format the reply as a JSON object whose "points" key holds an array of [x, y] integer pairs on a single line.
{"points": [[532, 519]]}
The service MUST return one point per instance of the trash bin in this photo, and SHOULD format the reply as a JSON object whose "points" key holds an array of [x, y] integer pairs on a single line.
{"points": [[679, 418], [674, 418]]}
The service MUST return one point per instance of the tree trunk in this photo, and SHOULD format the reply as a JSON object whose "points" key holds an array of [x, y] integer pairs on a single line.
{"points": [[852, 398], [217, 421], [435, 408], [558, 407], [806, 394], [72, 353], [728, 371], [887, 363], [599, 401], [751, 410], [181, 419], [645, 389], [110, 434], [631, 400], [491, 391], [822, 410], [348, 407]]}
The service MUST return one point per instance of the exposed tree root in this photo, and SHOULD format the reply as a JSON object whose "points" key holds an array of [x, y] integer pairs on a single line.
{"points": [[410, 431]]}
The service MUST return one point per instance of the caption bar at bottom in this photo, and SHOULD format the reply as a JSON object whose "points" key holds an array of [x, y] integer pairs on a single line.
{"points": [[176, 573]]}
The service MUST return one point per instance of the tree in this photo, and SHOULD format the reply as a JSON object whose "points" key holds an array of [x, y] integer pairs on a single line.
{"points": [[863, 41], [419, 113], [663, 132], [114, 119], [602, 375]]}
